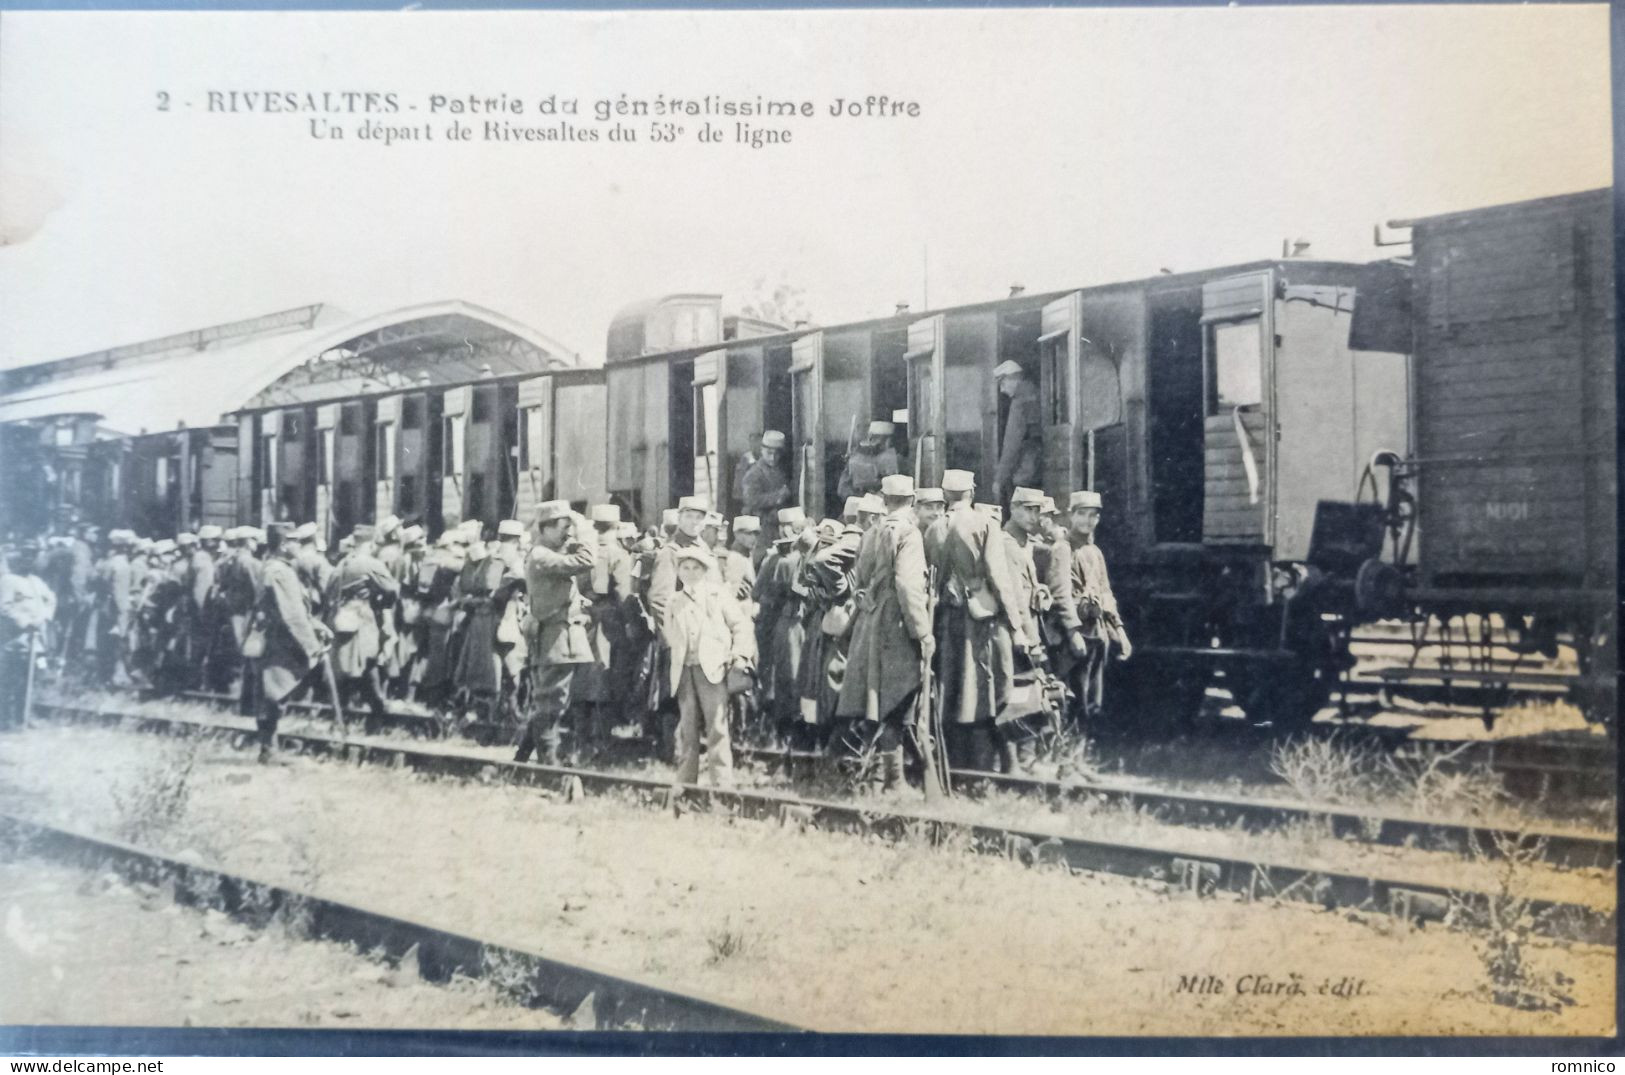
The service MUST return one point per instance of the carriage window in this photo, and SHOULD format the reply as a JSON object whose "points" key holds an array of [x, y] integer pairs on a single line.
{"points": [[411, 413], [349, 418], [451, 444], [268, 461], [1235, 365], [324, 457], [1053, 378], [705, 419], [476, 495], [386, 450], [406, 495], [291, 427], [919, 397], [482, 407], [524, 437], [1100, 402]]}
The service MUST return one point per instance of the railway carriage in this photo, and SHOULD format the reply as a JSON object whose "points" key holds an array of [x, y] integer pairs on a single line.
{"points": [[1213, 411], [1512, 492]]}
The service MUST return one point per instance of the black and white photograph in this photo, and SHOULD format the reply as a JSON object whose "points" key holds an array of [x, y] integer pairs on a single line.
{"points": [[1041, 523]]}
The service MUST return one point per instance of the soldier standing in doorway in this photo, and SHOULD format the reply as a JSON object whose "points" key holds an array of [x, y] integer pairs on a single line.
{"points": [[764, 486], [1021, 448]]}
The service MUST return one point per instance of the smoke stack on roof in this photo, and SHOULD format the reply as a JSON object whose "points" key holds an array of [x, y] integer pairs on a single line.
{"points": [[1017, 289], [801, 322], [902, 307], [485, 370]]}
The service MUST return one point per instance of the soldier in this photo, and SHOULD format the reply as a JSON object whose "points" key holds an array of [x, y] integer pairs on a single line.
{"points": [[1085, 609], [928, 507], [286, 634], [597, 693], [27, 606], [781, 629], [870, 461], [360, 589], [409, 614], [509, 647], [1019, 726], [237, 585], [711, 532], [313, 568], [84, 569], [764, 486], [200, 575], [824, 584], [891, 635], [980, 621], [708, 636], [165, 616], [739, 565], [1021, 447], [389, 541], [691, 513], [558, 622], [437, 587], [109, 623]]}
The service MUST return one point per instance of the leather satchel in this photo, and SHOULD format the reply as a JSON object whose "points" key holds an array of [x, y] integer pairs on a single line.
{"points": [[740, 679], [254, 640]]}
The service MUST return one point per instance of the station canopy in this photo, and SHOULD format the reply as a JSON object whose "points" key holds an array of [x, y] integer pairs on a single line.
{"points": [[294, 357]]}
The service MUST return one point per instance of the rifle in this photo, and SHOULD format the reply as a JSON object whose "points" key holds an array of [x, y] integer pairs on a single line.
{"points": [[28, 678], [333, 692], [927, 714]]}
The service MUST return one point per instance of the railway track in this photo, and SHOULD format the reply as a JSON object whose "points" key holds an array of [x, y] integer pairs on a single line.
{"points": [[1197, 871], [1530, 766], [617, 1002], [1569, 848], [1563, 847]]}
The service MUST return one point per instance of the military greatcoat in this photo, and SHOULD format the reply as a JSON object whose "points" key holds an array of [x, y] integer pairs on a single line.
{"points": [[883, 663]]}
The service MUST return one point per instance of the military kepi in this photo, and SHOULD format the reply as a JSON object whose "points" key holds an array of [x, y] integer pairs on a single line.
{"points": [[897, 485], [549, 510], [1085, 498]]}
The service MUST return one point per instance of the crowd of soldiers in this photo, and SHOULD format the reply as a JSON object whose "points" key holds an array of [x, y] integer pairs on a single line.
{"points": [[576, 631]]}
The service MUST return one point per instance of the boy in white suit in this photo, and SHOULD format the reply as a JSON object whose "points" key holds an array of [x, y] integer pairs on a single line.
{"points": [[708, 635]]}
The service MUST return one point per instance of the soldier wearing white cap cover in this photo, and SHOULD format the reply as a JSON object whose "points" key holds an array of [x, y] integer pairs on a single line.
{"points": [[1085, 608], [891, 636]]}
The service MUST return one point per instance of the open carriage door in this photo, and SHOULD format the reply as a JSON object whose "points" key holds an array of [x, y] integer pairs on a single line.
{"points": [[710, 383], [807, 422], [1238, 435], [1068, 457], [926, 408], [535, 455]]}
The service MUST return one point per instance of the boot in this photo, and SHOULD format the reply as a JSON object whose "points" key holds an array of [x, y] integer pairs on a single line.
{"points": [[1009, 759], [891, 765]]}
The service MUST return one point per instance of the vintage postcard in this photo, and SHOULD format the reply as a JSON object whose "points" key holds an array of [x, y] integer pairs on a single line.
{"points": [[1057, 522]]}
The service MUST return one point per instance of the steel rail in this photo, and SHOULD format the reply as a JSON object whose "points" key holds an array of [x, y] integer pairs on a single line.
{"points": [[1371, 826], [564, 986], [1506, 756], [1197, 871]]}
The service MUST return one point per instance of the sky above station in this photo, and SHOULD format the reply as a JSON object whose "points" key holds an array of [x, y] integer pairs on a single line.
{"points": [[1053, 148]]}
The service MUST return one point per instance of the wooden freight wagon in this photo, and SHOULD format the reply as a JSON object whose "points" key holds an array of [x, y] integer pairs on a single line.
{"points": [[1516, 474]]}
